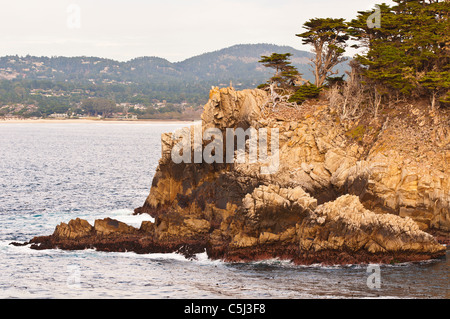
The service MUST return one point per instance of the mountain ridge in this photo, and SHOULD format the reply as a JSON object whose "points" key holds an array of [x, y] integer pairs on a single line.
{"points": [[238, 62], [41, 86]]}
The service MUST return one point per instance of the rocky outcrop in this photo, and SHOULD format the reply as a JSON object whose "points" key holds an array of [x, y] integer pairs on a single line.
{"points": [[345, 225], [110, 226], [112, 235], [77, 228], [342, 193], [287, 223]]}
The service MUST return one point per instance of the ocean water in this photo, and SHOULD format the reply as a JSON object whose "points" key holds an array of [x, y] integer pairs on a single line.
{"points": [[52, 173]]}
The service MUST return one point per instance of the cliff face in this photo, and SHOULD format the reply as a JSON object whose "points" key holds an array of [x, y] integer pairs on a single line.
{"points": [[342, 192]]}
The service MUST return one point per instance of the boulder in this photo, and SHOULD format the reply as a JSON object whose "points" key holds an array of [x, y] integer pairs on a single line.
{"points": [[76, 228], [110, 226]]}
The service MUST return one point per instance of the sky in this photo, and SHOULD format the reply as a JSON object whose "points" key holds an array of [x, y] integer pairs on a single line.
{"points": [[171, 29]]}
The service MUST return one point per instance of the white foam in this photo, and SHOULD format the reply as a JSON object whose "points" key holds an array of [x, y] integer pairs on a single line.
{"points": [[155, 256], [125, 216], [203, 259]]}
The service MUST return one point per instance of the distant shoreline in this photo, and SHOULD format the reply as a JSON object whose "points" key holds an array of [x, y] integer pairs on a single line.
{"points": [[110, 121]]}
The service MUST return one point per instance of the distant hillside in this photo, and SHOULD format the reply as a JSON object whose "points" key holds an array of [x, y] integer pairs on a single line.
{"points": [[238, 63], [53, 84]]}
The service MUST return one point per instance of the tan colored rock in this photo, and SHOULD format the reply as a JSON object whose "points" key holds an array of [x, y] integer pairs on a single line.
{"points": [[288, 236], [197, 225], [268, 238], [295, 200], [242, 241], [147, 227], [392, 171], [166, 146], [344, 191], [76, 228], [346, 225], [109, 226], [227, 107]]}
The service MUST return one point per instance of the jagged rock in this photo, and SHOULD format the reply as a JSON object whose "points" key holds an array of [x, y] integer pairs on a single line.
{"points": [[147, 227], [76, 228], [345, 225], [277, 208], [228, 108], [243, 241], [176, 227], [343, 192], [112, 235], [340, 231], [109, 226], [197, 225]]}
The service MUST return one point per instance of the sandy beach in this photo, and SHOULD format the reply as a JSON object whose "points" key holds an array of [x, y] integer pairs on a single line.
{"points": [[108, 121]]}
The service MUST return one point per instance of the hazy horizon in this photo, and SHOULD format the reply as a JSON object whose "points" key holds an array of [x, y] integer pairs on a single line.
{"points": [[174, 30]]}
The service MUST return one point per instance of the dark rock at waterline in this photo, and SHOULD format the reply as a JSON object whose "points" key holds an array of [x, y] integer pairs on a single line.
{"points": [[19, 244]]}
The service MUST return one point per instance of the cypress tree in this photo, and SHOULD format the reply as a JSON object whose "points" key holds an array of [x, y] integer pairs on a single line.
{"points": [[409, 53]]}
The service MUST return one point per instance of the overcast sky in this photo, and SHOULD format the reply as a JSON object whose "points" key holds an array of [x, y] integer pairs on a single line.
{"points": [[172, 29]]}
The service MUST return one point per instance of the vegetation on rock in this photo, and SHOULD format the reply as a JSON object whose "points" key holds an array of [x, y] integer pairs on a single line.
{"points": [[406, 57]]}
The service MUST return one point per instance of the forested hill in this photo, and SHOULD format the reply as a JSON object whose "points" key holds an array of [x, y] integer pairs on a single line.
{"points": [[238, 63], [40, 86], [153, 77]]}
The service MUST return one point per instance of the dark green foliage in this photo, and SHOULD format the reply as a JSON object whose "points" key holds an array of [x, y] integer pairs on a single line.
{"points": [[263, 86], [335, 80], [445, 99], [276, 61], [409, 53], [436, 81], [285, 72], [97, 106], [304, 92]]}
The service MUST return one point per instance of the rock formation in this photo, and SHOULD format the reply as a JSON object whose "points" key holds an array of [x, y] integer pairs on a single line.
{"points": [[343, 192]]}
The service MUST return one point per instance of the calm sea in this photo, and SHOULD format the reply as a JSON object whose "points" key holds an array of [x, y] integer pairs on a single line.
{"points": [[52, 173]]}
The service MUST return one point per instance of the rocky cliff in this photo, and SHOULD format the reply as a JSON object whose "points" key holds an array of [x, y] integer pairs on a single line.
{"points": [[376, 190]]}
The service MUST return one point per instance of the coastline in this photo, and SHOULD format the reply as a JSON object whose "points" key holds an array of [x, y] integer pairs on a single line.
{"points": [[108, 121]]}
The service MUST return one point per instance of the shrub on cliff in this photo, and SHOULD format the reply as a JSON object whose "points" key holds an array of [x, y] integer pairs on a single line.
{"points": [[304, 92], [285, 73], [408, 52]]}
